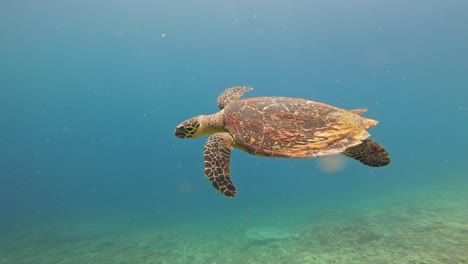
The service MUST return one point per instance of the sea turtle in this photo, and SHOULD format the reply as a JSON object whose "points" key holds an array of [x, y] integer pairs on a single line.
{"points": [[279, 127]]}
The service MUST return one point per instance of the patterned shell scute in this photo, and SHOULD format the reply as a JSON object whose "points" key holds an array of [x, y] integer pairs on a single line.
{"points": [[291, 127]]}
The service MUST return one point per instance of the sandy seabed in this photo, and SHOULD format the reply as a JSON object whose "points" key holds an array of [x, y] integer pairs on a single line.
{"points": [[421, 228]]}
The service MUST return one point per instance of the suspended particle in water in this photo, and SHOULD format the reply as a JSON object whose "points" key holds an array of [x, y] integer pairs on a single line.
{"points": [[186, 187], [331, 164], [163, 35]]}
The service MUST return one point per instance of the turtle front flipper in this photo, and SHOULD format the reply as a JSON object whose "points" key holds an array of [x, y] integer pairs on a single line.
{"points": [[217, 154], [369, 153], [231, 95]]}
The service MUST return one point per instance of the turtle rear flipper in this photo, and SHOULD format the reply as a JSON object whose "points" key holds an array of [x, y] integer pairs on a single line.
{"points": [[359, 111], [217, 154], [369, 153]]}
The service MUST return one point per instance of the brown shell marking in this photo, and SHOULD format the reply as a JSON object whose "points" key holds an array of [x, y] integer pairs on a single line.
{"points": [[293, 127]]}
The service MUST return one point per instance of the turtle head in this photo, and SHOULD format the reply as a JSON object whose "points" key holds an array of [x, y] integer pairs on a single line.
{"points": [[191, 128], [200, 125]]}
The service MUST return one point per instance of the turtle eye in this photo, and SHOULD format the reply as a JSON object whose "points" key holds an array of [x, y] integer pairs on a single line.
{"points": [[190, 131]]}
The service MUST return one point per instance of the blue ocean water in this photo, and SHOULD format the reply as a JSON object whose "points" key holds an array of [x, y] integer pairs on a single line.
{"points": [[91, 91]]}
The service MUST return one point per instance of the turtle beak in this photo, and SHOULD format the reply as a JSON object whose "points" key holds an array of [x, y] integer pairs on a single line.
{"points": [[180, 132], [187, 129]]}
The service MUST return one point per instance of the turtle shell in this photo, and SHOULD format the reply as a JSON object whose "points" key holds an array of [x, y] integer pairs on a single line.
{"points": [[293, 127]]}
